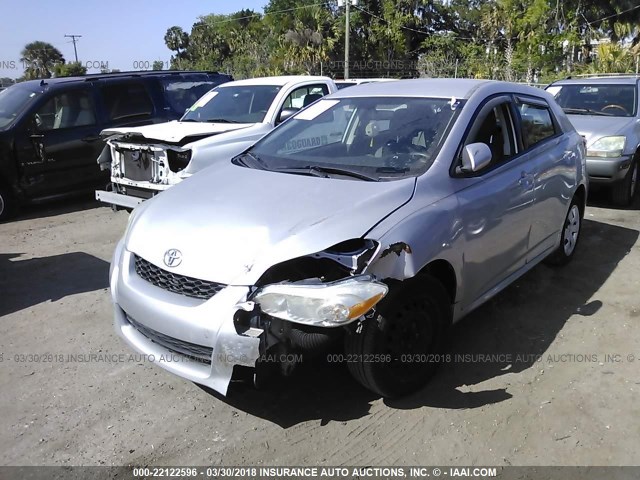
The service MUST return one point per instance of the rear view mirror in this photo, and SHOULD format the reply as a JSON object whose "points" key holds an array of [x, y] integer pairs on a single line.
{"points": [[475, 156], [286, 113]]}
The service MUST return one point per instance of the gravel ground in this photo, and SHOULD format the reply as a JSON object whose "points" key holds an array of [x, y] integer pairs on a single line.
{"points": [[563, 390]]}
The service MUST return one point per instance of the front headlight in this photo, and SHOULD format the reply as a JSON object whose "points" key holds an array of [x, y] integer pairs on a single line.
{"points": [[331, 304], [607, 147]]}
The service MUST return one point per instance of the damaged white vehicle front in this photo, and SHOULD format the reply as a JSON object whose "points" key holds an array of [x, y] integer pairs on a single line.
{"points": [[224, 122]]}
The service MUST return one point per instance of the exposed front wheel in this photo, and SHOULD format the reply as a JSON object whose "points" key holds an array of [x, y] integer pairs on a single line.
{"points": [[624, 191], [397, 350], [570, 236]]}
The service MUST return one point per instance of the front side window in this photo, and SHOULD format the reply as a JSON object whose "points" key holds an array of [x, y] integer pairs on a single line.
{"points": [[304, 96], [181, 94], [596, 99], [537, 124], [233, 104], [494, 128], [66, 110], [381, 138]]}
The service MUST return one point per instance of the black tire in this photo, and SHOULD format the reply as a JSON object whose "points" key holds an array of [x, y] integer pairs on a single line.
{"points": [[407, 332], [623, 192], [7, 204], [571, 229]]}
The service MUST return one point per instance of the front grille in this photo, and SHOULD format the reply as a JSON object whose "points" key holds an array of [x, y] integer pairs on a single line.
{"points": [[197, 352], [137, 165], [181, 284]]}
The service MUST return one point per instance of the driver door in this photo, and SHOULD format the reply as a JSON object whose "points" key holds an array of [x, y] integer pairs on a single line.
{"points": [[496, 205], [58, 147]]}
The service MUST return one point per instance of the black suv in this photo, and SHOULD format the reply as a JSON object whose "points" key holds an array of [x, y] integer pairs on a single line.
{"points": [[49, 129]]}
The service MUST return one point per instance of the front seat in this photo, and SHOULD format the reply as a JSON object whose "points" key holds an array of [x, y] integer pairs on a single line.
{"points": [[310, 98]]}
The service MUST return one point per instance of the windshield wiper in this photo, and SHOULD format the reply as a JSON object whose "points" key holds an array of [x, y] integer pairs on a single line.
{"points": [[325, 172], [585, 111], [220, 120], [240, 160], [189, 120]]}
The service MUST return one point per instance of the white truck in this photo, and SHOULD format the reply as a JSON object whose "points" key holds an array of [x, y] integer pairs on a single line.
{"points": [[225, 121]]}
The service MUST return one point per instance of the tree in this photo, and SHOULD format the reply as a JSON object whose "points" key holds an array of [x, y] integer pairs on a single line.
{"points": [[39, 59], [69, 69], [158, 65], [176, 40]]}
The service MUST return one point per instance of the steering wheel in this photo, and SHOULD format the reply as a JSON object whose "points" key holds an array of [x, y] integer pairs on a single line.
{"points": [[404, 155], [613, 105]]}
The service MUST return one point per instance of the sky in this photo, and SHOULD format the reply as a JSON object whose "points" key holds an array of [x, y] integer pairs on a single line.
{"points": [[122, 34]]}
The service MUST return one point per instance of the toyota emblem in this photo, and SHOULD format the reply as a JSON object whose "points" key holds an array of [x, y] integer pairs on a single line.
{"points": [[172, 257]]}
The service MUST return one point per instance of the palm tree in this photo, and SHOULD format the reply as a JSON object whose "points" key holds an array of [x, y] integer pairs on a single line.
{"points": [[39, 59], [176, 39]]}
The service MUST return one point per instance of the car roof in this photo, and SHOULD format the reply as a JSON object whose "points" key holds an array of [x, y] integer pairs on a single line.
{"points": [[97, 76], [600, 80], [279, 80], [435, 87]]}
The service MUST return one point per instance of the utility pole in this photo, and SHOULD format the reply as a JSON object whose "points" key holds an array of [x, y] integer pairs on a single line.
{"points": [[73, 39], [346, 4]]}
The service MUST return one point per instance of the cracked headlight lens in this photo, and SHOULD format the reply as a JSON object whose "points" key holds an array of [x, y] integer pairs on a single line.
{"points": [[607, 147], [322, 304]]}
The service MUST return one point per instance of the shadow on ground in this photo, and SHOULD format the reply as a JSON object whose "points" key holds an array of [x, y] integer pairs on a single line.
{"points": [[52, 208], [522, 320], [28, 282]]}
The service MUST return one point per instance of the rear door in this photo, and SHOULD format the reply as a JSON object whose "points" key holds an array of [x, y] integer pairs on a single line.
{"points": [[545, 145], [59, 143]]}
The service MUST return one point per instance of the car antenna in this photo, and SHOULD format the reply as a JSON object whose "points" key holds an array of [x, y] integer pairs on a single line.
{"points": [[42, 83]]}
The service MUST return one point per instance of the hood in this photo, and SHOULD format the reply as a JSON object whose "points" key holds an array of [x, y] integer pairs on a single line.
{"points": [[175, 131], [594, 127], [232, 223]]}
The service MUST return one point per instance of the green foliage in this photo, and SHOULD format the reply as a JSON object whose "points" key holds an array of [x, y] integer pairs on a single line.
{"points": [[69, 69], [158, 65], [40, 59], [515, 40]]}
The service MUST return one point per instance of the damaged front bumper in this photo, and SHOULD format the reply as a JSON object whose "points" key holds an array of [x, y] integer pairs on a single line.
{"points": [[139, 172], [192, 338]]}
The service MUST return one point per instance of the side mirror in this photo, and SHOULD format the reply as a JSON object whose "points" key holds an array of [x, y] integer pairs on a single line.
{"points": [[286, 113], [475, 156]]}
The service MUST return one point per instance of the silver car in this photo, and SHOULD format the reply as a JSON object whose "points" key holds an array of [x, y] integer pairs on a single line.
{"points": [[377, 217], [604, 110]]}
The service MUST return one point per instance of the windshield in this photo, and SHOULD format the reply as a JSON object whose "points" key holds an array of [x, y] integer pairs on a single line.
{"points": [[182, 94], [380, 138], [596, 99], [235, 104], [13, 101]]}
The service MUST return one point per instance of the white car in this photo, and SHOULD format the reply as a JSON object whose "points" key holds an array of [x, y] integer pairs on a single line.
{"points": [[221, 124]]}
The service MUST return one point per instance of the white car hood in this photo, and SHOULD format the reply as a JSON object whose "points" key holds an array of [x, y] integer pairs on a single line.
{"points": [[232, 223], [176, 131]]}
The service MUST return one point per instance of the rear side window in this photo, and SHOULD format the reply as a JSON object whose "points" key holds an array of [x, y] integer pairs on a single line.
{"points": [[126, 100], [537, 124]]}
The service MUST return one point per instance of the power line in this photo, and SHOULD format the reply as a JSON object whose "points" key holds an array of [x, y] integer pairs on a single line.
{"points": [[614, 15], [259, 15]]}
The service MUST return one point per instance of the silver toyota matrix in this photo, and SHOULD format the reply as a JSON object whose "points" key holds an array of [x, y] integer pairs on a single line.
{"points": [[370, 221]]}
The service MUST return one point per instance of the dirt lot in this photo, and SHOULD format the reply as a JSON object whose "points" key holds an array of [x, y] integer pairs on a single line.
{"points": [[552, 397]]}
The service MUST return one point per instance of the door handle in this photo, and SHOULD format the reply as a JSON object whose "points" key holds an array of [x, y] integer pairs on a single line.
{"points": [[526, 180], [36, 135], [90, 138]]}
